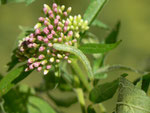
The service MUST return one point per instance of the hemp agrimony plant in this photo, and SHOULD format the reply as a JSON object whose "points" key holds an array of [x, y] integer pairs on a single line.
{"points": [[59, 47]]}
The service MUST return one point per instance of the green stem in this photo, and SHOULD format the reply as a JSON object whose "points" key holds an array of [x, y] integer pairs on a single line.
{"points": [[81, 100], [81, 75], [102, 108], [2, 107]]}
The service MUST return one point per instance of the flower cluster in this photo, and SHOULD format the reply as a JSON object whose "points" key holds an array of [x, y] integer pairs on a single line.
{"points": [[56, 27]]}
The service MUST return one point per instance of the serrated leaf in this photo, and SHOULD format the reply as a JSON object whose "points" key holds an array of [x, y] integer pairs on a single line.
{"points": [[112, 37], [100, 24], [92, 48], [93, 9], [104, 91], [38, 105], [132, 99], [12, 78], [78, 53]]}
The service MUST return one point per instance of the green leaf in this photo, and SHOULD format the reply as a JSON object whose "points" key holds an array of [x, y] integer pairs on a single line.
{"points": [[78, 53], [12, 78], [16, 1], [37, 105], [100, 24], [93, 9], [132, 99], [145, 81], [90, 109], [63, 101], [112, 37], [103, 92], [97, 48]]}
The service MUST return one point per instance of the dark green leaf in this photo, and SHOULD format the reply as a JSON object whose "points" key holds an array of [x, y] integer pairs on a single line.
{"points": [[132, 99], [98, 23], [78, 53], [112, 37], [104, 92], [98, 48], [90, 109], [145, 82], [37, 105], [93, 9], [12, 78]]}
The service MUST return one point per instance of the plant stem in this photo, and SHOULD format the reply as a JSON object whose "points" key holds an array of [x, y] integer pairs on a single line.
{"points": [[102, 108], [81, 100], [81, 75]]}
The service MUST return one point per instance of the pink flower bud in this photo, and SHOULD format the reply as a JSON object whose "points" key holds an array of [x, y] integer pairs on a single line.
{"points": [[58, 28], [41, 56], [46, 22], [50, 12], [69, 61], [31, 60], [53, 32], [45, 30], [48, 51], [27, 38], [46, 40], [30, 45], [50, 27], [51, 16], [53, 54], [70, 43], [66, 57], [41, 19], [40, 38], [66, 43], [48, 66], [45, 10], [55, 39], [75, 40], [37, 31], [54, 5], [50, 45], [55, 10], [50, 36], [59, 39], [42, 48], [35, 45], [22, 49], [65, 29], [31, 35], [31, 39], [39, 69], [36, 64], [70, 33], [56, 21], [44, 62], [66, 23], [31, 66], [58, 17], [65, 14], [57, 61]]}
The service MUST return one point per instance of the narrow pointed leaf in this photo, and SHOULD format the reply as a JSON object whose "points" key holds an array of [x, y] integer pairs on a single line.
{"points": [[78, 53], [93, 9], [112, 37], [92, 48]]}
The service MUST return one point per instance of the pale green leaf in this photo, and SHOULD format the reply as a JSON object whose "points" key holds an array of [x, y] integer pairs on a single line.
{"points": [[132, 99], [100, 24], [78, 53]]}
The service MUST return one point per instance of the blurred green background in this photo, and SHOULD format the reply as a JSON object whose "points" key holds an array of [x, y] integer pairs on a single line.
{"points": [[134, 33]]}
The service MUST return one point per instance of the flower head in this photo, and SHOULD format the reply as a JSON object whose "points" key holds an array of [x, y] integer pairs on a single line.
{"points": [[58, 26]]}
